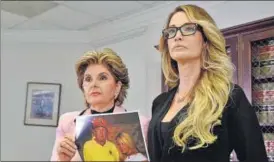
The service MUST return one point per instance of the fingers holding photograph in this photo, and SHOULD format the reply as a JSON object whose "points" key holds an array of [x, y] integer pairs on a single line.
{"points": [[111, 137]]}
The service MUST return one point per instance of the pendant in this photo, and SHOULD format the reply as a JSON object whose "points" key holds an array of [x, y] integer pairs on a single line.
{"points": [[180, 99]]}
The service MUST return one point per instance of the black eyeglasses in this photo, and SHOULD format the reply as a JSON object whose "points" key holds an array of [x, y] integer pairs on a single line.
{"points": [[186, 29]]}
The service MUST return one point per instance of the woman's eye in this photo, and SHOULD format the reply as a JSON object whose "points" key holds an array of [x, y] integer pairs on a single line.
{"points": [[189, 28], [103, 78], [171, 31], [87, 79]]}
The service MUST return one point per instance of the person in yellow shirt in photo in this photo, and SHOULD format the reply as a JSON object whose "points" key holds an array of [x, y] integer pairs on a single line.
{"points": [[99, 148]]}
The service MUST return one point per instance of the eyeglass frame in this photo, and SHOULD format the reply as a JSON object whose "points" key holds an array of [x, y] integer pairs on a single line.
{"points": [[197, 27]]}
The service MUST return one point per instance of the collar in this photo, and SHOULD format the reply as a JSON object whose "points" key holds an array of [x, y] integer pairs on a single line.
{"points": [[112, 110]]}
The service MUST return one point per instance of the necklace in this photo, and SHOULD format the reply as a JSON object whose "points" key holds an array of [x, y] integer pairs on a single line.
{"points": [[180, 98]]}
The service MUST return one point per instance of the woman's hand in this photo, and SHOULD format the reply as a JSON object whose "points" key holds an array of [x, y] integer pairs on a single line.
{"points": [[66, 149]]}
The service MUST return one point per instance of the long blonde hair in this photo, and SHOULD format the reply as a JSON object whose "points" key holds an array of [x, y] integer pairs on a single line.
{"points": [[211, 92], [126, 139]]}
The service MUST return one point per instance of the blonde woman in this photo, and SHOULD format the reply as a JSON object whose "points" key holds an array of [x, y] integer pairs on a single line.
{"points": [[128, 149], [103, 78], [204, 116]]}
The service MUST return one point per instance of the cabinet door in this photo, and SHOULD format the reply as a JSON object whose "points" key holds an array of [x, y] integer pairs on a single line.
{"points": [[258, 80], [232, 51], [254, 59]]}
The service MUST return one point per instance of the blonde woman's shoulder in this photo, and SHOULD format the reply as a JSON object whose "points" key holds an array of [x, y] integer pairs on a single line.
{"points": [[237, 92]]}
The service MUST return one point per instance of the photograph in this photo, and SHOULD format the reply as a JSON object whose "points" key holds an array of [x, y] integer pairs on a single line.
{"points": [[42, 104], [111, 137]]}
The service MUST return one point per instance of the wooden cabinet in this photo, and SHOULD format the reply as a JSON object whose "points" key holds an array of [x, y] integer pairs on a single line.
{"points": [[251, 47], [239, 39]]}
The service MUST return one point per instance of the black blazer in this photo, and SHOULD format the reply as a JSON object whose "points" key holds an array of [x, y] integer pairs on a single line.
{"points": [[240, 131]]}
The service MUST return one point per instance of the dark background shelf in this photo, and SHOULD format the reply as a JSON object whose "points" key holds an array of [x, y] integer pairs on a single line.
{"points": [[263, 80], [267, 128]]}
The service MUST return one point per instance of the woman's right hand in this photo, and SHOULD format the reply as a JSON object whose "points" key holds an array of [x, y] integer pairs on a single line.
{"points": [[66, 149]]}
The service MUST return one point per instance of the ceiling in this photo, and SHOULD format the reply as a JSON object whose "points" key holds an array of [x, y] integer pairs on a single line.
{"points": [[67, 15], [94, 22]]}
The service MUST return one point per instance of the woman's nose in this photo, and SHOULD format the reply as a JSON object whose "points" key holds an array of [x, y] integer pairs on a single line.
{"points": [[178, 36], [94, 83]]}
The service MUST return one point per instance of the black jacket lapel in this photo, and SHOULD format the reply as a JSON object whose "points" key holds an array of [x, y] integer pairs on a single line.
{"points": [[160, 107]]}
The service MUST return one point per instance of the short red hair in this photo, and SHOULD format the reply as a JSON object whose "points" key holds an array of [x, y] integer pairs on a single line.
{"points": [[99, 122]]}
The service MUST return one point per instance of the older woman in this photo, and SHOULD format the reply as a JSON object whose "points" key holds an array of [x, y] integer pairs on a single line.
{"points": [[204, 116], [128, 149], [103, 79]]}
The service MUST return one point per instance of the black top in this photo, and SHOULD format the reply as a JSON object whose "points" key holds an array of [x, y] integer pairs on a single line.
{"points": [[96, 112], [240, 131], [164, 132]]}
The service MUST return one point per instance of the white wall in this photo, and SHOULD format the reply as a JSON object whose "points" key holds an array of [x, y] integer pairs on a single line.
{"points": [[231, 13], [21, 63], [54, 62]]}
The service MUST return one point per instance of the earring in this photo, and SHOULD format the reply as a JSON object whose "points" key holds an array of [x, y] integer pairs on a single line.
{"points": [[203, 66], [116, 95]]}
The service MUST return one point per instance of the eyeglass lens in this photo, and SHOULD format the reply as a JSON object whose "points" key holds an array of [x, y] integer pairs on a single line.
{"points": [[186, 29]]}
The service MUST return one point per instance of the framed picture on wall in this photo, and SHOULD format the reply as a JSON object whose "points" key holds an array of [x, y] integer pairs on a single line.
{"points": [[42, 104]]}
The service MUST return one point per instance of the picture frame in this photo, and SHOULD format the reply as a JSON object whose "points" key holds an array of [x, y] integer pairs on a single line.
{"points": [[121, 132], [42, 105]]}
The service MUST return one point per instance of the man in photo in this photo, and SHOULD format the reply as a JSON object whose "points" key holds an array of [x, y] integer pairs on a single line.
{"points": [[99, 148]]}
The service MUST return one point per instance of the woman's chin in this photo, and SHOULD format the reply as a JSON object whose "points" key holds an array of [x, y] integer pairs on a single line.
{"points": [[178, 54], [181, 56], [96, 101]]}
